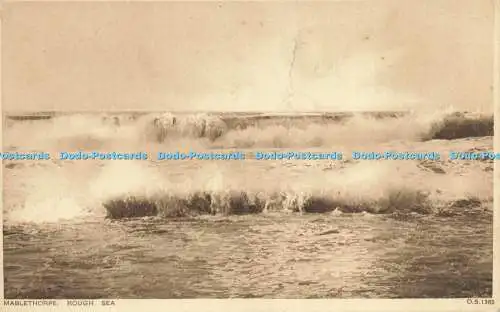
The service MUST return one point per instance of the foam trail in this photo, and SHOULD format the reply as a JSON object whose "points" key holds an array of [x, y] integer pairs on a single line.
{"points": [[119, 178], [51, 196]]}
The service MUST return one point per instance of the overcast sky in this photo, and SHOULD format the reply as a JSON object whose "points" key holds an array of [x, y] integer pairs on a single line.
{"points": [[352, 55]]}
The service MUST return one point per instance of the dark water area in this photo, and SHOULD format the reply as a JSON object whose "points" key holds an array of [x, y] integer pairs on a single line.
{"points": [[265, 256]]}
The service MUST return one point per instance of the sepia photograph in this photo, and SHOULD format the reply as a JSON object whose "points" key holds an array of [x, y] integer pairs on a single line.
{"points": [[277, 150]]}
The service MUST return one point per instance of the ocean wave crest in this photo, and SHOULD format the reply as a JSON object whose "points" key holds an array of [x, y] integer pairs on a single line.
{"points": [[402, 201], [93, 131]]}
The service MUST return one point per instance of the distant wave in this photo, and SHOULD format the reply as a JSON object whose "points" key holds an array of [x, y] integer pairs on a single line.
{"points": [[459, 125], [84, 131]]}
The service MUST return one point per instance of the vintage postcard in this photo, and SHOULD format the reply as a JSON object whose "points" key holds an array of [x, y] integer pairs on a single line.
{"points": [[335, 155]]}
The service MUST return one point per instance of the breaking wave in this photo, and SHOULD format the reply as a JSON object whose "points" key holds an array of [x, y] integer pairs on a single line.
{"points": [[127, 190], [396, 202], [361, 187], [51, 191], [93, 131], [119, 190]]}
